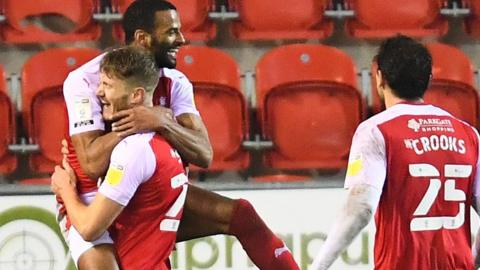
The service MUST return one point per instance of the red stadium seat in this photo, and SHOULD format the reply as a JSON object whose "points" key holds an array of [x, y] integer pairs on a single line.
{"points": [[44, 111], [193, 14], [216, 82], [281, 19], [8, 162], [472, 23], [19, 29], [384, 18], [452, 85], [309, 106]]}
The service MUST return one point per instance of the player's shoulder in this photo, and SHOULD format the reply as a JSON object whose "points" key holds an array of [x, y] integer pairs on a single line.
{"points": [[86, 72], [133, 146], [176, 76]]}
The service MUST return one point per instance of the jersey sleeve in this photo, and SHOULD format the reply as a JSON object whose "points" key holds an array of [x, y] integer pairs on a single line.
{"points": [[83, 106], [367, 161], [131, 164], [182, 97]]}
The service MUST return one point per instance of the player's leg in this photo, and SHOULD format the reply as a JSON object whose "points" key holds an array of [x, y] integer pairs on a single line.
{"points": [[101, 257], [207, 213], [95, 255]]}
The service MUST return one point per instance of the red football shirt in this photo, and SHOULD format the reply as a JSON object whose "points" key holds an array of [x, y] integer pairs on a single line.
{"points": [[425, 162], [147, 177]]}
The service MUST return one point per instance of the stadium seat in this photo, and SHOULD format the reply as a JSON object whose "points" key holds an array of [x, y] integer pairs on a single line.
{"points": [[472, 22], [44, 110], [8, 161], [193, 14], [452, 86], [384, 18], [216, 83], [281, 19], [308, 105], [20, 28]]}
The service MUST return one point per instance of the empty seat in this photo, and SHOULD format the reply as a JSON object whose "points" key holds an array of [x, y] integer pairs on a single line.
{"points": [[308, 105], [193, 14], [216, 82], [451, 87], [21, 25], [384, 18], [281, 19], [472, 22], [8, 161], [43, 106]]}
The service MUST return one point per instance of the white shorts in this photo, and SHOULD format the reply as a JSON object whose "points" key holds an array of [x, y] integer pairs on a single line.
{"points": [[74, 240], [78, 246]]}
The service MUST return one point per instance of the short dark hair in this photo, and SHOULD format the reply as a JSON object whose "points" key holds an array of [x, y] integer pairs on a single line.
{"points": [[406, 65], [134, 65], [141, 15]]}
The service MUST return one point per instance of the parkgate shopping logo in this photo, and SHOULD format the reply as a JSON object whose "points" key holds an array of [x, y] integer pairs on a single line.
{"points": [[31, 240], [430, 124]]}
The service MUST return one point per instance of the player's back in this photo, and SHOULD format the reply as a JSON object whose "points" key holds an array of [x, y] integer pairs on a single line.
{"points": [[423, 218], [145, 232]]}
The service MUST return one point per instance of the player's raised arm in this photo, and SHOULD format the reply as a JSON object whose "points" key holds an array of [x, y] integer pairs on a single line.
{"points": [[93, 150], [185, 131]]}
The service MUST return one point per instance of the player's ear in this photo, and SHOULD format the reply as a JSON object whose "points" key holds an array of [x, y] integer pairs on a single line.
{"points": [[379, 80], [142, 38], [138, 96]]}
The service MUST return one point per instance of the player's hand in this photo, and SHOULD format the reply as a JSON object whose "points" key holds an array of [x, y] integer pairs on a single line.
{"points": [[63, 178], [64, 150], [141, 118]]}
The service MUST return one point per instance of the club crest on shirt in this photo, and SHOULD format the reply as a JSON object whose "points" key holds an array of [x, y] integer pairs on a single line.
{"points": [[163, 101], [114, 174]]}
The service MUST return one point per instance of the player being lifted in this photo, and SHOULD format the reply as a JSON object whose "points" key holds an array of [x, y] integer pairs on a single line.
{"points": [[155, 25], [146, 184]]}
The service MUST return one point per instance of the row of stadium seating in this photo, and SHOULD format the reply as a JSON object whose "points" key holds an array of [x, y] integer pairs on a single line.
{"points": [[252, 19], [308, 104]]}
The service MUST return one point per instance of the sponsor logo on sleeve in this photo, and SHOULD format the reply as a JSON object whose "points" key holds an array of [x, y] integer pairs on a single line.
{"points": [[83, 112], [355, 165], [114, 174]]}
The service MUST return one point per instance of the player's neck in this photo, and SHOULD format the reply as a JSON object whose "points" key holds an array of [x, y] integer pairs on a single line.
{"points": [[391, 99]]}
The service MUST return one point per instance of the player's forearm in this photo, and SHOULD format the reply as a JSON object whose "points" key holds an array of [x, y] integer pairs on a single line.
{"points": [[97, 153], [476, 250], [361, 203], [193, 145], [79, 215], [476, 246], [345, 229]]}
